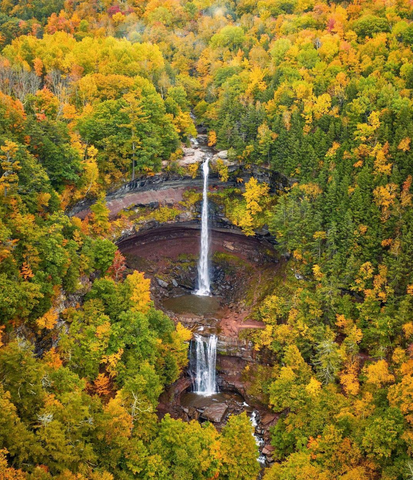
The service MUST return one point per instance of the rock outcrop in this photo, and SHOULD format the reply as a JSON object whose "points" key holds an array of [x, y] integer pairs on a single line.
{"points": [[215, 413]]}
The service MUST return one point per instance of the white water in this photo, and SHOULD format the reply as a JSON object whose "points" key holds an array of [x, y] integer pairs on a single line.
{"points": [[204, 364], [204, 284], [259, 441]]}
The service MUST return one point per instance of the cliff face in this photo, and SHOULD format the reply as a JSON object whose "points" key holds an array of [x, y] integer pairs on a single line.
{"points": [[168, 253], [168, 188]]}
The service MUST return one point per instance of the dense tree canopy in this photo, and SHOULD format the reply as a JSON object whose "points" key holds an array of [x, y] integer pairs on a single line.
{"points": [[95, 92]]}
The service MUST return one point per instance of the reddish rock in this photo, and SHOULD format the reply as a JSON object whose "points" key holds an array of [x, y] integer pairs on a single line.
{"points": [[170, 398], [215, 413], [268, 450], [193, 413], [268, 419], [169, 196], [180, 385]]}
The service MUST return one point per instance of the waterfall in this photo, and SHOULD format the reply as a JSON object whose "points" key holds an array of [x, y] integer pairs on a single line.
{"points": [[203, 364], [204, 284]]}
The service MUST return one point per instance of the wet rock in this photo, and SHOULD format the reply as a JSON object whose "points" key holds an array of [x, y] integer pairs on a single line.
{"points": [[174, 282], [170, 398], [194, 142], [193, 413], [187, 285], [215, 413], [268, 450], [176, 389]]}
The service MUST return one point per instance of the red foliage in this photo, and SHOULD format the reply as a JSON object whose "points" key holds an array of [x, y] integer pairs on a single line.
{"points": [[118, 266], [113, 10]]}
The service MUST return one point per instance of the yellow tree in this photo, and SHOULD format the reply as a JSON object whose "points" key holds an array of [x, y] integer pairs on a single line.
{"points": [[378, 373], [140, 292], [254, 194], [100, 216], [9, 473]]}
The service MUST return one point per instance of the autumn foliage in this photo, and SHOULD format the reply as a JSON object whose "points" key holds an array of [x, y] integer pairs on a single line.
{"points": [[95, 93]]}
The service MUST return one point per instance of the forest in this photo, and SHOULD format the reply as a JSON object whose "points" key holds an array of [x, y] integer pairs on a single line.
{"points": [[95, 93]]}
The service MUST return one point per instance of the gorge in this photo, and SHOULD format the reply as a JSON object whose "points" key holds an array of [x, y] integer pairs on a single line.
{"points": [[208, 275], [206, 240]]}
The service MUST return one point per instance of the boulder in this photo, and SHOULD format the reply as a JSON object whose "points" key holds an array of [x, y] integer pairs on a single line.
{"points": [[189, 152], [193, 413], [215, 413], [223, 154], [268, 450], [162, 283], [184, 217], [191, 156]]}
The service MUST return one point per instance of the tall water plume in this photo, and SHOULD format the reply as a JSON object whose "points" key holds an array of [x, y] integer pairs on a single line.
{"points": [[204, 283]]}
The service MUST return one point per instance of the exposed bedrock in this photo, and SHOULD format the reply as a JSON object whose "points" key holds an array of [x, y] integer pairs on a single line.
{"points": [[175, 239], [242, 269], [168, 188], [233, 398], [168, 253]]}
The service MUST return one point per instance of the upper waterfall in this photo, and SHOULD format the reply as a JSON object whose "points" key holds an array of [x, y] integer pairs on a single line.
{"points": [[204, 283]]}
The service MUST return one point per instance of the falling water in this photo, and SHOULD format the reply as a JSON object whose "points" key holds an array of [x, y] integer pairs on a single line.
{"points": [[204, 284], [203, 360], [259, 441]]}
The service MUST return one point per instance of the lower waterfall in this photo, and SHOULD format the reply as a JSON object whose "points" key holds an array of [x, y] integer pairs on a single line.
{"points": [[203, 364]]}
